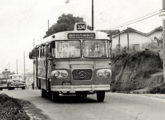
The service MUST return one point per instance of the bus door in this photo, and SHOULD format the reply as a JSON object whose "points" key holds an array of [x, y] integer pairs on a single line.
{"points": [[47, 67], [42, 67], [38, 83]]}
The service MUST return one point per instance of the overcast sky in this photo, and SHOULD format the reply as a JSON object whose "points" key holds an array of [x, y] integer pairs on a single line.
{"points": [[22, 21]]}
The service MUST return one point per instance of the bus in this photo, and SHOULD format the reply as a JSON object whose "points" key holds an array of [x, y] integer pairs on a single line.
{"points": [[73, 62]]}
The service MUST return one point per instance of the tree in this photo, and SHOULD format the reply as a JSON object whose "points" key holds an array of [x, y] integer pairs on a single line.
{"points": [[64, 23]]}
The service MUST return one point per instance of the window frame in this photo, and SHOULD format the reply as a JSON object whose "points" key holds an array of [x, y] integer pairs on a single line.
{"points": [[68, 57], [106, 48]]}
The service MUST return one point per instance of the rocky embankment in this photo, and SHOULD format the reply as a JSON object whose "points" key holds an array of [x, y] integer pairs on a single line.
{"points": [[140, 70]]}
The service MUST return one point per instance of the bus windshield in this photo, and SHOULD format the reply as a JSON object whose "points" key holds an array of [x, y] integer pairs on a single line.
{"points": [[95, 49], [67, 49]]}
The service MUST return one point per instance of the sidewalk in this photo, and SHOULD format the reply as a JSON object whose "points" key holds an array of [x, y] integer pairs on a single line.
{"points": [[160, 97]]}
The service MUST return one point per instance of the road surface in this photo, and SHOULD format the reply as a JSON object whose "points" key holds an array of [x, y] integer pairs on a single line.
{"points": [[115, 107]]}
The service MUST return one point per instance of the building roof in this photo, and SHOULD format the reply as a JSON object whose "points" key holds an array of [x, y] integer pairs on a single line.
{"points": [[158, 29], [132, 30]]}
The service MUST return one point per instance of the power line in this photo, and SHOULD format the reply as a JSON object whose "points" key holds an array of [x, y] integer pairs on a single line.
{"points": [[149, 15]]}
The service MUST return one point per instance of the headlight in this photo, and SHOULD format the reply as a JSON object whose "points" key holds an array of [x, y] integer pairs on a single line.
{"points": [[59, 74], [104, 73]]}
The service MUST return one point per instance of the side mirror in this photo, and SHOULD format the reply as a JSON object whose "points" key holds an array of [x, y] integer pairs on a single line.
{"points": [[31, 56]]}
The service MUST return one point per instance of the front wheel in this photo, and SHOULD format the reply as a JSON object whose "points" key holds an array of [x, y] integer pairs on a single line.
{"points": [[100, 96], [55, 96], [43, 93], [11, 88]]}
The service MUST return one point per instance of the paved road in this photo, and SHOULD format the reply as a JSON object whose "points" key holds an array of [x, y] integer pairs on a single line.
{"points": [[115, 107]]}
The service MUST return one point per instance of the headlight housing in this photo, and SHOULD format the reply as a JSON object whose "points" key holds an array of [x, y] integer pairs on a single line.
{"points": [[59, 74], [104, 73]]}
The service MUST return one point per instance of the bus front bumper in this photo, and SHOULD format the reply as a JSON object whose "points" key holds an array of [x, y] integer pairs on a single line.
{"points": [[79, 88]]}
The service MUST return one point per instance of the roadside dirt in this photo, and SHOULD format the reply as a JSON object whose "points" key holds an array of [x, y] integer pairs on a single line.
{"points": [[16, 109], [33, 112]]}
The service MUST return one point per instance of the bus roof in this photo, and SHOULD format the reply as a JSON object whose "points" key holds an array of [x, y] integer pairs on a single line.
{"points": [[64, 36]]}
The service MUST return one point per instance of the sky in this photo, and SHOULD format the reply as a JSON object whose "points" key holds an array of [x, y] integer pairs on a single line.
{"points": [[25, 21]]}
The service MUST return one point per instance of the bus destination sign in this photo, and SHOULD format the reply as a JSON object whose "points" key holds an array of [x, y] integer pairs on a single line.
{"points": [[81, 35]]}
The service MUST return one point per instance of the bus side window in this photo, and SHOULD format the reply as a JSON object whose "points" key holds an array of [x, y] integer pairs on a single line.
{"points": [[37, 52], [40, 52], [43, 49], [52, 48], [109, 48]]}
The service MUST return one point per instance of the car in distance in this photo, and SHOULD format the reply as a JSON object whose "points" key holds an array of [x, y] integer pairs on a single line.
{"points": [[16, 81]]}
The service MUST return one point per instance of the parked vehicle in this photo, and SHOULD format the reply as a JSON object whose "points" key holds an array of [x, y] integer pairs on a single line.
{"points": [[15, 81], [3, 84]]}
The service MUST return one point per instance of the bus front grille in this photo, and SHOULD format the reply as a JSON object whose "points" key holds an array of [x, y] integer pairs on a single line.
{"points": [[82, 74]]}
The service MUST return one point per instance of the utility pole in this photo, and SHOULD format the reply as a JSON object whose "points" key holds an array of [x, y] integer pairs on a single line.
{"points": [[163, 2], [33, 84], [16, 66], [9, 66], [92, 14], [24, 65], [48, 24], [119, 44], [128, 41]]}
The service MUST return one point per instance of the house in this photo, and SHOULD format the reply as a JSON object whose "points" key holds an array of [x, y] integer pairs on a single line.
{"points": [[130, 40], [156, 35]]}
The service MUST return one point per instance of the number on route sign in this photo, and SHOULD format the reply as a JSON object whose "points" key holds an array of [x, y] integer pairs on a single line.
{"points": [[81, 26]]}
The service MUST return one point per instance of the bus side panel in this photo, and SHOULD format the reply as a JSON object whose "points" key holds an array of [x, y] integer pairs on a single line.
{"points": [[36, 73]]}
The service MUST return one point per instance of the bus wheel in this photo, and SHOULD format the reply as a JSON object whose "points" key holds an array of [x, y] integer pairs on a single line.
{"points": [[100, 96], [55, 96], [11, 88], [43, 93], [23, 88]]}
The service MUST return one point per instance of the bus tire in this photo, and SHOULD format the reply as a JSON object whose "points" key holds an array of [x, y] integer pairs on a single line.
{"points": [[43, 93], [11, 88], [55, 96], [100, 96], [23, 88]]}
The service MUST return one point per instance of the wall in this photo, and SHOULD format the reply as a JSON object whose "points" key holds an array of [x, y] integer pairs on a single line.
{"points": [[135, 40]]}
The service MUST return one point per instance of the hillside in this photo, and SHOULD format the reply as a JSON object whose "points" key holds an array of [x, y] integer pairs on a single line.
{"points": [[136, 71]]}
